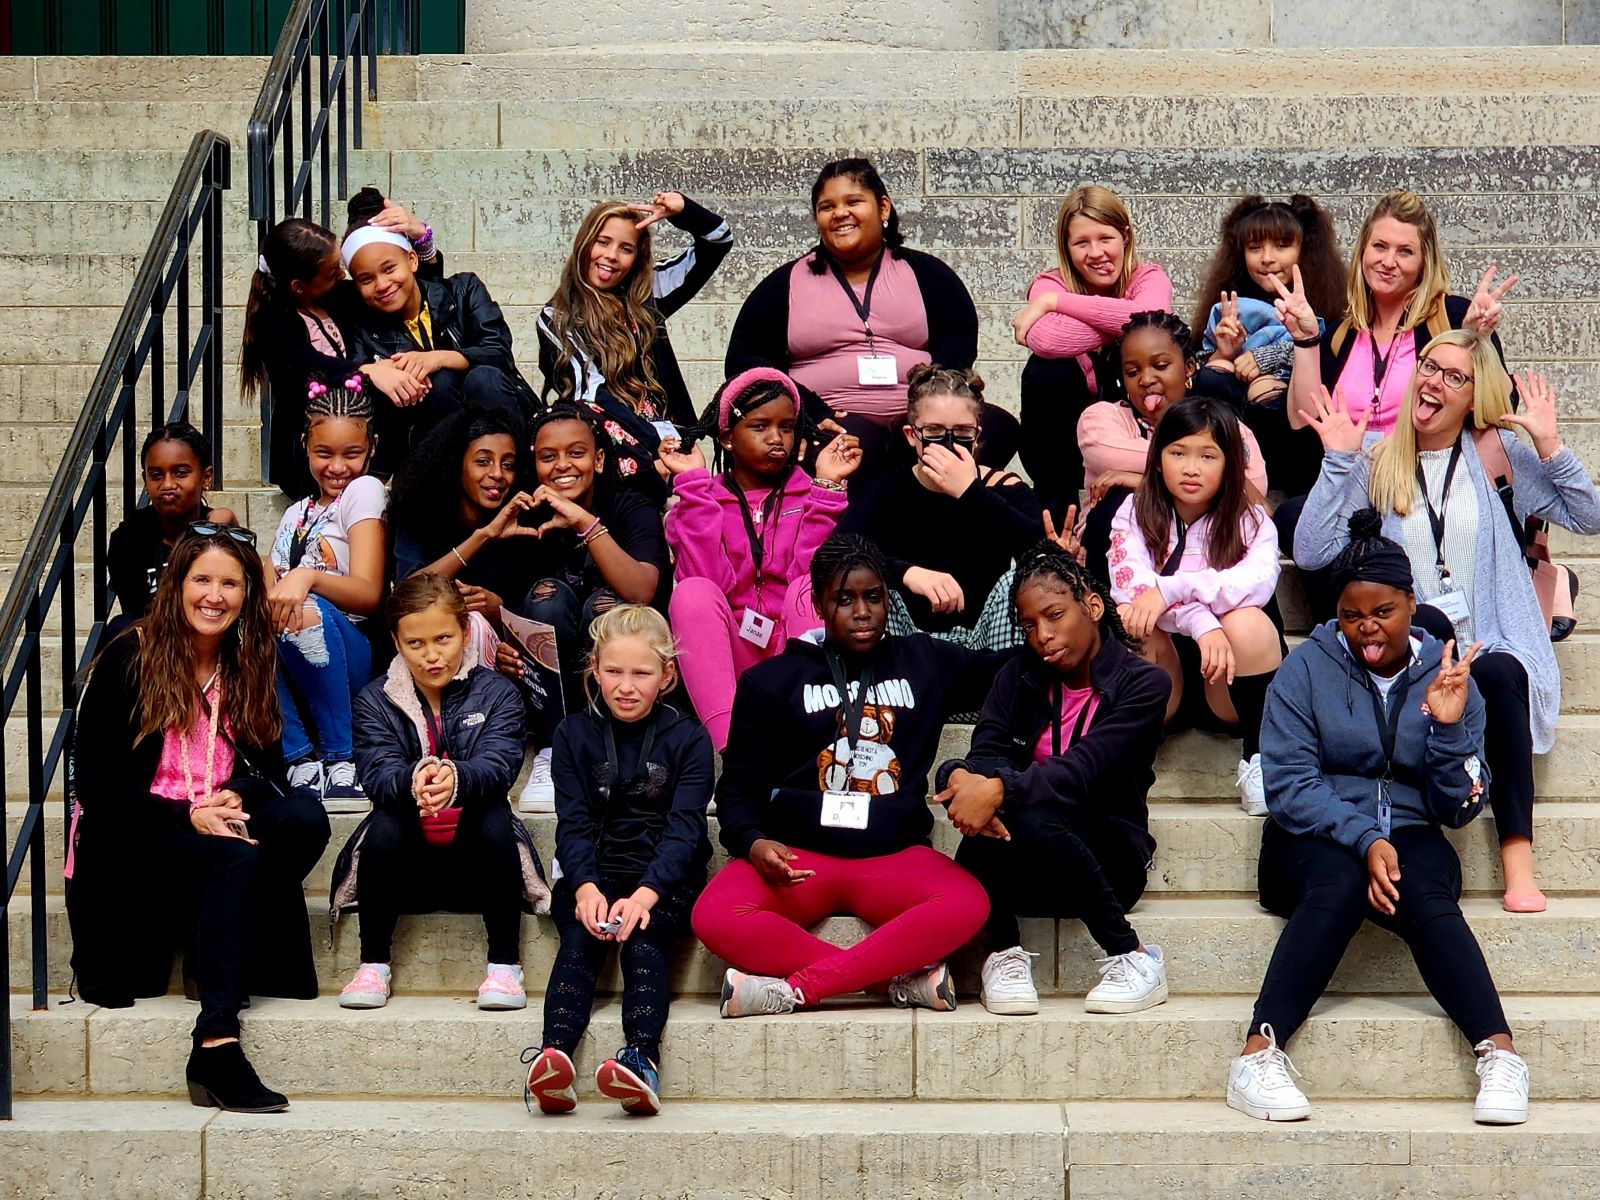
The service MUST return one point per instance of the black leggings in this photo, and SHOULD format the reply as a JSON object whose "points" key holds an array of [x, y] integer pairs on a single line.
{"points": [[1321, 887], [1507, 733], [1060, 862], [399, 429], [553, 602], [480, 871], [1054, 394], [1097, 532], [646, 969]]}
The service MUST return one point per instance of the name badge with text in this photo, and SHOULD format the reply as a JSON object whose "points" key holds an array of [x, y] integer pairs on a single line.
{"points": [[845, 810], [877, 370]]}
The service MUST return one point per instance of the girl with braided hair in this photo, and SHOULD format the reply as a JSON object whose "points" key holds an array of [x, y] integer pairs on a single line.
{"points": [[742, 538], [328, 563], [1051, 796]]}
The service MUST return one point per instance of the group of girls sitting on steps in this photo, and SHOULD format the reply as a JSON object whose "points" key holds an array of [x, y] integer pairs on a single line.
{"points": [[845, 568]]}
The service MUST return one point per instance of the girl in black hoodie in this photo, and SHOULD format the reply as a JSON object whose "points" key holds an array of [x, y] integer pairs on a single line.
{"points": [[1051, 797], [630, 857], [823, 805]]}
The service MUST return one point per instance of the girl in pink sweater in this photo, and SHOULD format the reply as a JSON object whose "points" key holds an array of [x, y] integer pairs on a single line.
{"points": [[743, 537], [1073, 313], [1194, 568]]}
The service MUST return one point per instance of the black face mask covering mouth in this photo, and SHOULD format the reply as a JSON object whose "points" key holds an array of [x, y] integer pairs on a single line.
{"points": [[950, 441]]}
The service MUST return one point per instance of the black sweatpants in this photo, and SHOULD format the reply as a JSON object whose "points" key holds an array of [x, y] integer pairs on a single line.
{"points": [[1321, 887], [1054, 393], [1507, 734], [1061, 862], [1097, 532], [646, 968], [399, 428], [480, 871]]}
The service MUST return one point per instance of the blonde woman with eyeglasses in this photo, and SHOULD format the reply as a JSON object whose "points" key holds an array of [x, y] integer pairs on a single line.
{"points": [[1472, 581]]}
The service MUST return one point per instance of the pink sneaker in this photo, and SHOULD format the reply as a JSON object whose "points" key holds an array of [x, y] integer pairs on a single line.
{"points": [[502, 988], [369, 988]]}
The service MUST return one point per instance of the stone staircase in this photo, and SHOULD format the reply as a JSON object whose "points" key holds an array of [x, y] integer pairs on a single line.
{"points": [[502, 154]]}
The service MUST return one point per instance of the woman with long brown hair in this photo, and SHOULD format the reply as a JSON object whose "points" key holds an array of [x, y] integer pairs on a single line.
{"points": [[603, 336], [186, 833]]}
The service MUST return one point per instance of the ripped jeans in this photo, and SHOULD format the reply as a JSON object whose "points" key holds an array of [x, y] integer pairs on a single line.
{"points": [[555, 603], [323, 667]]}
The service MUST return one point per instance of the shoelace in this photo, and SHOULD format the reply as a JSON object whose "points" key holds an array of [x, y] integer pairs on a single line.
{"points": [[1498, 1070], [1275, 1063], [1246, 770], [304, 774], [772, 998], [1121, 968], [342, 774], [1014, 967], [541, 769]]}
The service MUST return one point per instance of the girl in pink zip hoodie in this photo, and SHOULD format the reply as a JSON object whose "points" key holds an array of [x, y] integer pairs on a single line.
{"points": [[743, 537]]}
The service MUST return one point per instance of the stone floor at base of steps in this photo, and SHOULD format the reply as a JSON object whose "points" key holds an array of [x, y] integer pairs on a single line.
{"points": [[493, 1150]]}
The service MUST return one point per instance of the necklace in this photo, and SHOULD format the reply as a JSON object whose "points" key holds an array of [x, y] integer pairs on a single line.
{"points": [[211, 747]]}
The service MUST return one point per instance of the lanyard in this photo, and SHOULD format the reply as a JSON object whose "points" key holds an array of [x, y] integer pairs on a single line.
{"points": [[305, 528], [614, 761], [1055, 720], [758, 547], [424, 334], [1389, 725], [1175, 559], [1381, 364], [1436, 518], [334, 337], [436, 746], [852, 713], [214, 715], [863, 304]]}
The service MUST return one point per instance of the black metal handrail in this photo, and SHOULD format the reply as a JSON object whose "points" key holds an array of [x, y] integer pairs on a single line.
{"points": [[169, 364], [285, 139]]}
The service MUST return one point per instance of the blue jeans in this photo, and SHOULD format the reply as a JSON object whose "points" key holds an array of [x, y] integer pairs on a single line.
{"points": [[324, 666]]}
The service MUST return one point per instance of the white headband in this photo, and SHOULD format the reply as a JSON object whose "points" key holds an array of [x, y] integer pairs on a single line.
{"points": [[367, 235]]}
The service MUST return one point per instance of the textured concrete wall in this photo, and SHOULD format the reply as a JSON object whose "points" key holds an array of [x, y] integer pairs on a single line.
{"points": [[494, 25]]}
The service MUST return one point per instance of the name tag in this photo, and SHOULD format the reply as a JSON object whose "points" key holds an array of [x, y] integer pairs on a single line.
{"points": [[756, 628], [1453, 604], [845, 810], [1385, 809], [877, 370], [666, 431]]}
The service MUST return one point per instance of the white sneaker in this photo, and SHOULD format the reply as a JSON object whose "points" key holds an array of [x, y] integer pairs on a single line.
{"points": [[307, 774], [1259, 1084], [1129, 983], [539, 793], [1252, 792], [1502, 1087], [1008, 983]]}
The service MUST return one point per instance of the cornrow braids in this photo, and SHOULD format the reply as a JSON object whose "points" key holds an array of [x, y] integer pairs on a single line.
{"points": [[840, 554], [1048, 562], [1170, 323], [347, 400], [178, 431]]}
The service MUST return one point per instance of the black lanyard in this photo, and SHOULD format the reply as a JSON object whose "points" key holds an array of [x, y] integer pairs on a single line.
{"points": [[852, 713], [758, 547], [424, 335], [303, 533], [863, 304], [1381, 364], [333, 336], [1175, 559], [614, 761], [1436, 518], [436, 746], [1055, 720], [1389, 725]]}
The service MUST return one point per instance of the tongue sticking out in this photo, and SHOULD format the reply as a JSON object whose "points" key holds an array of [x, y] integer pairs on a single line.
{"points": [[1373, 653], [1152, 402]]}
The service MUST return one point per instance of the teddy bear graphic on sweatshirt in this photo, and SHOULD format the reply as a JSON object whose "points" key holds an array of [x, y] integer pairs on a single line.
{"points": [[873, 768]]}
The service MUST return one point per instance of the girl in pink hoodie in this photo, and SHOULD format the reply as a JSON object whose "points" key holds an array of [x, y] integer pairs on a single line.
{"points": [[743, 537]]}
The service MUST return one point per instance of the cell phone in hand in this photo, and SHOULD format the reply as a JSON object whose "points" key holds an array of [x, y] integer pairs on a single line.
{"points": [[238, 828]]}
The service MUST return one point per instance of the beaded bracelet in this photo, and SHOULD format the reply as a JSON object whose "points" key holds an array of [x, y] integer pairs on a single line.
{"points": [[593, 525]]}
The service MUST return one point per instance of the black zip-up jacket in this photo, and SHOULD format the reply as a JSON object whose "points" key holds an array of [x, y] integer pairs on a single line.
{"points": [[787, 737], [1108, 771], [760, 336], [464, 318], [653, 832]]}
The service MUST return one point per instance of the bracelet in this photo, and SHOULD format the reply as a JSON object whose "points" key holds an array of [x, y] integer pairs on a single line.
{"points": [[596, 535], [457, 553], [1553, 454], [426, 238], [1310, 343], [593, 525], [830, 485]]}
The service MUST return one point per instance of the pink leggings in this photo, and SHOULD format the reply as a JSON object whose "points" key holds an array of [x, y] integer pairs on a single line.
{"points": [[712, 655], [924, 907]]}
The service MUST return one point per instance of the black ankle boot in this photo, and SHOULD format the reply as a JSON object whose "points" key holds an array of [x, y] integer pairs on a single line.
{"points": [[222, 1077]]}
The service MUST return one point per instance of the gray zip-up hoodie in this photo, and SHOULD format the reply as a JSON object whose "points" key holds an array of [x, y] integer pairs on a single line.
{"points": [[1322, 754]]}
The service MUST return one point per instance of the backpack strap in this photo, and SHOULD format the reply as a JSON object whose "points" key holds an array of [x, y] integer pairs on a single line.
{"points": [[1497, 470]]}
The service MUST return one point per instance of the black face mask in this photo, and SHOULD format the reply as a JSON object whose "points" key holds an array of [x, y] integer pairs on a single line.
{"points": [[950, 441]]}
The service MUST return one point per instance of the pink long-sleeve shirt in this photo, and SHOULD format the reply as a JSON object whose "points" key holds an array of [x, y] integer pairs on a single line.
{"points": [[709, 540], [1198, 593], [1082, 323], [1109, 437]]}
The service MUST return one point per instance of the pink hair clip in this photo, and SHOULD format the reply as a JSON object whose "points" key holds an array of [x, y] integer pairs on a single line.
{"points": [[316, 388], [355, 382]]}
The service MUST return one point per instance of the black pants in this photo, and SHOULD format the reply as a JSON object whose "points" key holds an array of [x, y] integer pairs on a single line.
{"points": [[1321, 887], [1060, 862], [1097, 532], [480, 871], [1293, 457], [646, 970], [1055, 392], [1507, 735], [401, 428], [236, 910], [553, 602], [1317, 582]]}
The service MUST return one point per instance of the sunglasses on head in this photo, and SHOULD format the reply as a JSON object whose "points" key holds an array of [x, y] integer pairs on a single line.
{"points": [[205, 529]]}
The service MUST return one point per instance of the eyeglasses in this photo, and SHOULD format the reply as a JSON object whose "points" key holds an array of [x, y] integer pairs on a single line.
{"points": [[1453, 379], [205, 529], [938, 433]]}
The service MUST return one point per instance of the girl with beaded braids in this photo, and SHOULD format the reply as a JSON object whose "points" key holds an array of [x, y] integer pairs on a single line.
{"points": [[742, 538], [1050, 799], [328, 565]]}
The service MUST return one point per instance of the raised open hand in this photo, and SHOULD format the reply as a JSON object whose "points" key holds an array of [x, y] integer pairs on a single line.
{"points": [[1538, 415], [1333, 424]]}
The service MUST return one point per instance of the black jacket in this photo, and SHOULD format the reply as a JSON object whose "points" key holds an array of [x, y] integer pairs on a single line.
{"points": [[1107, 772], [760, 336], [787, 734], [136, 554], [464, 318], [124, 925], [1339, 338], [654, 832]]}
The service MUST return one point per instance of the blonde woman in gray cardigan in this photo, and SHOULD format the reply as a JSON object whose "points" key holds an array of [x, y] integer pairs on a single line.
{"points": [[1472, 582]]}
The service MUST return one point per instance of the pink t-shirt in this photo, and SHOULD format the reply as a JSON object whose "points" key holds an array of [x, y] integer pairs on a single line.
{"points": [[1355, 381], [1073, 702], [826, 337], [169, 781]]}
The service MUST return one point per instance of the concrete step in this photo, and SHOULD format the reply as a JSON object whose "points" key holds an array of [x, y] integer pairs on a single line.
{"points": [[858, 1049]]}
